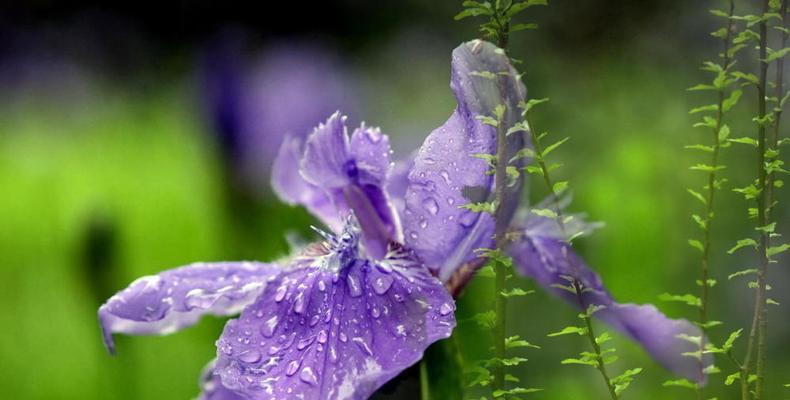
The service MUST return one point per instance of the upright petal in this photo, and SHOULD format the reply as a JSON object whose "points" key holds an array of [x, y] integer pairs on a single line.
{"points": [[175, 299], [335, 327], [292, 188], [446, 175], [352, 173], [552, 263]]}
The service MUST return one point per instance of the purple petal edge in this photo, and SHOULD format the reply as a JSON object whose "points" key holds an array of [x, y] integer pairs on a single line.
{"points": [[174, 299]]}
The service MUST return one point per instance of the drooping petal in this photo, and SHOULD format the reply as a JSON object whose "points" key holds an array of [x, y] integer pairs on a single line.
{"points": [[175, 299], [446, 173], [337, 327], [211, 386], [326, 155], [292, 188], [552, 263]]}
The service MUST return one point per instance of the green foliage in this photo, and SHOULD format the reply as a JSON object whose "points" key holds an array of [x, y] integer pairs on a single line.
{"points": [[499, 15]]}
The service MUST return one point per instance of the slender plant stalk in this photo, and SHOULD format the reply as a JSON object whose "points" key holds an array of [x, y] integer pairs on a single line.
{"points": [[601, 365], [500, 235], [425, 388], [760, 319], [710, 196]]}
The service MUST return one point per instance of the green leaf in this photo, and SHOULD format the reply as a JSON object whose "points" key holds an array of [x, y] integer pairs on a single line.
{"points": [[732, 100], [774, 250], [509, 392], [560, 187], [742, 243], [706, 108], [742, 272], [486, 207], [698, 196], [707, 149], [731, 340], [684, 383], [777, 54], [707, 168], [701, 87], [484, 74], [522, 27], [749, 192], [553, 146], [731, 378], [527, 107], [544, 212], [487, 120], [569, 330], [696, 244], [516, 292], [689, 299], [516, 342]]}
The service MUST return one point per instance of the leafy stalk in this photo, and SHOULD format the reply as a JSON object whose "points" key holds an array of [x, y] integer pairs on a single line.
{"points": [[576, 286]]}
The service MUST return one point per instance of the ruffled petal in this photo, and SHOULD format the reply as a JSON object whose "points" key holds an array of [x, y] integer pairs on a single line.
{"points": [[446, 175], [352, 172], [552, 262], [175, 299], [335, 327], [293, 189]]}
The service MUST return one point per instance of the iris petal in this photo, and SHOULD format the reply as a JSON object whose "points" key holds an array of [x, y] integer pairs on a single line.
{"points": [[175, 299], [337, 327], [446, 174]]}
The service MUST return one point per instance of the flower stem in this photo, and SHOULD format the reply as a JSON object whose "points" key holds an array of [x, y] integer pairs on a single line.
{"points": [[601, 365], [760, 321], [710, 197], [425, 388], [500, 236]]}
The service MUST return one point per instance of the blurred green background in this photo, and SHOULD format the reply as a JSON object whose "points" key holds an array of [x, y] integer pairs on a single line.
{"points": [[111, 168]]}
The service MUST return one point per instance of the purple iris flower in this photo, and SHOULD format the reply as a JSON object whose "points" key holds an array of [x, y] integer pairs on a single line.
{"points": [[344, 315]]}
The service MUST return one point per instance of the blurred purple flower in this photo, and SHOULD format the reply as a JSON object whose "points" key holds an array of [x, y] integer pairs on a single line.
{"points": [[253, 106], [345, 315]]}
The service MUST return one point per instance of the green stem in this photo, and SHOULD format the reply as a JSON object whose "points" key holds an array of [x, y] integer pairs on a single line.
{"points": [[500, 236], [601, 365], [711, 195], [425, 388], [759, 328]]}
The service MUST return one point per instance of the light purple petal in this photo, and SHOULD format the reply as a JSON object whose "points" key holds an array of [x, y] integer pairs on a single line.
{"points": [[211, 386], [352, 172], [445, 173], [292, 188], [335, 327], [550, 261], [327, 155], [177, 298]]}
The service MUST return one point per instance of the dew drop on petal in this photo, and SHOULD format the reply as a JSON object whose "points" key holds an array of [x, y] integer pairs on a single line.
{"points": [[445, 309], [250, 356], [279, 295], [354, 288], [308, 376], [269, 326], [321, 336], [382, 284], [431, 205], [292, 367]]}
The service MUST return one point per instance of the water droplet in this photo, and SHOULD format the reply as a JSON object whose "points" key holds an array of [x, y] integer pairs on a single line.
{"points": [[382, 284], [308, 376], [375, 313], [467, 219], [354, 288], [413, 235], [273, 350], [450, 201], [292, 367], [314, 320], [321, 336], [446, 308], [446, 176], [269, 326], [431, 205], [321, 285], [197, 298], [250, 356], [304, 343], [279, 295], [373, 135], [363, 345], [343, 338], [300, 303], [423, 223]]}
